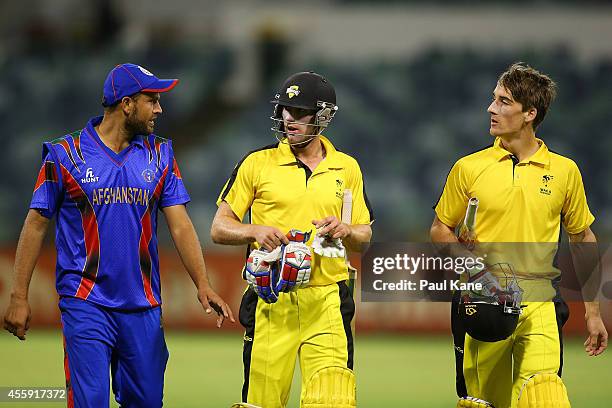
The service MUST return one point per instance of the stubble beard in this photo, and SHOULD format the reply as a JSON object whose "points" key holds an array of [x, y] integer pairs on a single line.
{"points": [[136, 126]]}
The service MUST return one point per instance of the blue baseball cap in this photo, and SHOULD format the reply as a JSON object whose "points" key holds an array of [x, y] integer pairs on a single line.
{"points": [[129, 79]]}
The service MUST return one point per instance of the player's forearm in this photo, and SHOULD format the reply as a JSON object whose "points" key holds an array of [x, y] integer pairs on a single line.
{"points": [[442, 234], [28, 250], [585, 255], [190, 251], [591, 309], [444, 239], [360, 234], [229, 231]]}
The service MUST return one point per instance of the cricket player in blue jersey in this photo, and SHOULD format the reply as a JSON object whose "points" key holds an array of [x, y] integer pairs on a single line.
{"points": [[105, 184]]}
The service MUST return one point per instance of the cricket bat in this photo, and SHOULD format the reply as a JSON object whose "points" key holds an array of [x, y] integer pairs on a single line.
{"points": [[347, 215], [466, 233]]}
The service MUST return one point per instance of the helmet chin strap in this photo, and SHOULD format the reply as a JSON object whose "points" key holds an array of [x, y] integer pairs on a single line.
{"points": [[285, 138], [303, 143]]}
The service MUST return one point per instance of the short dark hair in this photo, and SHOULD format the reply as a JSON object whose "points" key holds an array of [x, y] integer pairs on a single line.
{"points": [[110, 108], [529, 87]]}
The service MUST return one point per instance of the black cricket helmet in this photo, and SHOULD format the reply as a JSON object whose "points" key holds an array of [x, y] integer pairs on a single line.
{"points": [[492, 314], [486, 321], [305, 90]]}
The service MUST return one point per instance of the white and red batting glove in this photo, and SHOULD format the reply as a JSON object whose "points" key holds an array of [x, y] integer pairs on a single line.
{"points": [[261, 272], [491, 287], [294, 267]]}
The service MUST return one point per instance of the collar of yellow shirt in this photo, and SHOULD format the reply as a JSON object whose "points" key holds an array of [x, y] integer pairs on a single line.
{"points": [[332, 159], [542, 156]]}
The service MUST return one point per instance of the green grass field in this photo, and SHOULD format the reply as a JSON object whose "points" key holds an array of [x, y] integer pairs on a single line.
{"points": [[205, 370]]}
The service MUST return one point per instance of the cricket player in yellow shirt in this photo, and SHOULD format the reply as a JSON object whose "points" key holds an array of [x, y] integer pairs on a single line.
{"points": [[525, 193], [293, 193]]}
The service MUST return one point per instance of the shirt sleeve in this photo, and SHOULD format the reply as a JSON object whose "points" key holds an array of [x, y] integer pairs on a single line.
{"points": [[174, 191], [239, 190], [575, 212], [48, 188], [452, 204], [362, 212]]}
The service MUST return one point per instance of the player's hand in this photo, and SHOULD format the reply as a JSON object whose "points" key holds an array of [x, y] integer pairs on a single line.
{"points": [[468, 238], [332, 227], [268, 238], [597, 342], [17, 317], [211, 301]]}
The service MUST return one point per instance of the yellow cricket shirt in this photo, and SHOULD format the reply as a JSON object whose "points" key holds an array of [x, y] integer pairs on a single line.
{"points": [[518, 201], [277, 190]]}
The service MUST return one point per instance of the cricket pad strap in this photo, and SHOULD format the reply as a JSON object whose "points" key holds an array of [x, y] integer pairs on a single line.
{"points": [[471, 402], [330, 387], [544, 390]]}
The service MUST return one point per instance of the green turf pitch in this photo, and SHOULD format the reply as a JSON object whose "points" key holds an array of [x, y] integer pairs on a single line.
{"points": [[205, 370]]}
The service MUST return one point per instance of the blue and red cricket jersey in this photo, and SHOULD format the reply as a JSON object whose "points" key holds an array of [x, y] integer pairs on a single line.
{"points": [[106, 205]]}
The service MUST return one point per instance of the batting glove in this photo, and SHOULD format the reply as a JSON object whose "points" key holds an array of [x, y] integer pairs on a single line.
{"points": [[490, 284], [294, 267], [328, 247], [261, 272]]}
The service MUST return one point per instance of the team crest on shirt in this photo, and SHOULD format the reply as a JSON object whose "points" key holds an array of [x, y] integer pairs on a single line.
{"points": [[547, 178], [148, 175], [293, 90], [339, 189]]}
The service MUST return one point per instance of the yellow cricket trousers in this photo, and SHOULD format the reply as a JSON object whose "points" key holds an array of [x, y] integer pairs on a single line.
{"points": [[496, 371], [312, 324]]}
